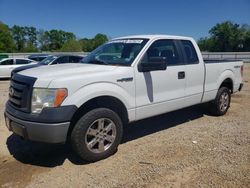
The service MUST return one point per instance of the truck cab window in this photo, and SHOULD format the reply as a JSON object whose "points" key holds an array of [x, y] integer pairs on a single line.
{"points": [[190, 52], [22, 61], [7, 62], [62, 59], [164, 48], [74, 59]]}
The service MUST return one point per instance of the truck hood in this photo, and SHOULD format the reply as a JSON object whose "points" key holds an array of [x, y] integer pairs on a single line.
{"points": [[46, 74], [21, 68]]}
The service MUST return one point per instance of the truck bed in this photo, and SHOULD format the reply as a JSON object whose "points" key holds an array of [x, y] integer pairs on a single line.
{"points": [[220, 60], [215, 74]]}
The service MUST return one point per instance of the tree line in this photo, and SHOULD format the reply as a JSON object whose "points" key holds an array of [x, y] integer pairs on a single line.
{"points": [[223, 37], [227, 37], [30, 39]]}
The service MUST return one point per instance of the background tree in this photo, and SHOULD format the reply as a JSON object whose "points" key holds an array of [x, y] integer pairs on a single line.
{"points": [[6, 41], [85, 44], [99, 39], [18, 34], [31, 36], [89, 45], [71, 45], [245, 40], [225, 37], [25, 38], [43, 40], [206, 44], [29, 39], [53, 40]]}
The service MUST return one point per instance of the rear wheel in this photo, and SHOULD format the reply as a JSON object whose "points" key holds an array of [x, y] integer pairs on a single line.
{"points": [[97, 134], [222, 102]]}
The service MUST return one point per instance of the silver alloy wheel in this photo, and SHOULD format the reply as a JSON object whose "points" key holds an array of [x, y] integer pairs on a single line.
{"points": [[100, 135], [224, 101]]}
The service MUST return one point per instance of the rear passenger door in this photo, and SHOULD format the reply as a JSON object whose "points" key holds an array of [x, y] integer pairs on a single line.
{"points": [[6, 66], [194, 73], [161, 91]]}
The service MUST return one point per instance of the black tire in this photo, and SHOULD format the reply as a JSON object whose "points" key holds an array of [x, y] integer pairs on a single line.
{"points": [[216, 107], [81, 133]]}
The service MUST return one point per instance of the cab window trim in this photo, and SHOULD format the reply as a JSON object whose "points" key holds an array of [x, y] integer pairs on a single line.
{"points": [[178, 51]]}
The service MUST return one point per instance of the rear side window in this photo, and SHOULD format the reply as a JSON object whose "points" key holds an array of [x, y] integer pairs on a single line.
{"points": [[7, 62], [190, 52], [22, 61], [62, 59], [74, 59], [165, 48], [37, 58]]}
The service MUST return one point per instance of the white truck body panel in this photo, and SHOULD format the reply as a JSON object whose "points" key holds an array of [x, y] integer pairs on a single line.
{"points": [[94, 81], [148, 101], [149, 93], [124, 80], [216, 73]]}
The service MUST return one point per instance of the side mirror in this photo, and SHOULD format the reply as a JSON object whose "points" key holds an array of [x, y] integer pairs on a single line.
{"points": [[153, 64]]}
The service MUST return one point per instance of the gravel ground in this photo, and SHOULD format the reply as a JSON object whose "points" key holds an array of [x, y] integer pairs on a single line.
{"points": [[185, 148]]}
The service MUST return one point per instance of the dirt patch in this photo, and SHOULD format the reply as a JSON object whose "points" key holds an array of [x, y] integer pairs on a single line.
{"points": [[16, 174]]}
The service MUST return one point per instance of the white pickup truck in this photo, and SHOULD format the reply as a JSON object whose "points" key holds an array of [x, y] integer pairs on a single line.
{"points": [[124, 80]]}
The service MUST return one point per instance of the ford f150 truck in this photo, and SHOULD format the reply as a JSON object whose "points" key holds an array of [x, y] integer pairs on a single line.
{"points": [[124, 80]]}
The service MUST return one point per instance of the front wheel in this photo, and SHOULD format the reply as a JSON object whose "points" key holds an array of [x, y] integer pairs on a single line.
{"points": [[222, 102], [97, 134]]}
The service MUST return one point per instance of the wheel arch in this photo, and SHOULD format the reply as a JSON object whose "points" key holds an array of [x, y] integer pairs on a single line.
{"points": [[226, 79], [228, 83], [104, 101]]}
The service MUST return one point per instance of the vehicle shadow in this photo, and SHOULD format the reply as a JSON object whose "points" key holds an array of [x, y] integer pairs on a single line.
{"points": [[41, 154], [158, 123], [49, 155]]}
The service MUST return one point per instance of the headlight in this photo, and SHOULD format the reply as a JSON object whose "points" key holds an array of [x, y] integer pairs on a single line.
{"points": [[44, 97]]}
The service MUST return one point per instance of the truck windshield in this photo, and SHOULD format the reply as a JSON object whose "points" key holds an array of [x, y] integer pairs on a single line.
{"points": [[47, 60], [116, 52]]}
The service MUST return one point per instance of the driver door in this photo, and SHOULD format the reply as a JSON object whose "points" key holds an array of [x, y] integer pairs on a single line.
{"points": [[161, 91]]}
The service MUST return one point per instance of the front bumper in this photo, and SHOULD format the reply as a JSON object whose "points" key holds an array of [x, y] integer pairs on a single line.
{"points": [[41, 132], [50, 126]]}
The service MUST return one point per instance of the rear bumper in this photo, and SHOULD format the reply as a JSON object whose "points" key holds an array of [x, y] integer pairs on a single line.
{"points": [[42, 132]]}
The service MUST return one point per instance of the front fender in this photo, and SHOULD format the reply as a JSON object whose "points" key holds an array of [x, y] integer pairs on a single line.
{"points": [[94, 90]]}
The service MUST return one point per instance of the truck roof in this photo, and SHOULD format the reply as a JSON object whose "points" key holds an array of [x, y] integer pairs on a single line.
{"points": [[155, 36]]}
